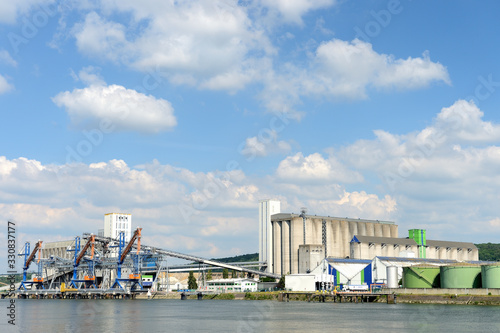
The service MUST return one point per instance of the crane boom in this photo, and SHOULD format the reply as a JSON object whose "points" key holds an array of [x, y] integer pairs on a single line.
{"points": [[136, 235], [38, 246], [84, 250]]}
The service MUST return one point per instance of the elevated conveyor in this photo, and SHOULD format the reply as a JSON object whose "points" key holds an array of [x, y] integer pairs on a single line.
{"points": [[189, 257]]}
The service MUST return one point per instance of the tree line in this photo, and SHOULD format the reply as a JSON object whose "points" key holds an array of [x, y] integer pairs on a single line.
{"points": [[489, 251]]}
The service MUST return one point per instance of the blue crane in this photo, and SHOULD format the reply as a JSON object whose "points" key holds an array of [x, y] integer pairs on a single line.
{"points": [[89, 279], [28, 259], [123, 251]]}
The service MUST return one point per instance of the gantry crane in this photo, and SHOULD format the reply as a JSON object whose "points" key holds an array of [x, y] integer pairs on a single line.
{"points": [[28, 258], [89, 279], [123, 251]]}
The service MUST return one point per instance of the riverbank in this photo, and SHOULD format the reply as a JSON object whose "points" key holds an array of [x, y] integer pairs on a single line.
{"points": [[444, 299], [406, 298]]}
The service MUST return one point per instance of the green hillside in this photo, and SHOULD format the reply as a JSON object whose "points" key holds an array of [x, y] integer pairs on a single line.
{"points": [[489, 251], [240, 258]]}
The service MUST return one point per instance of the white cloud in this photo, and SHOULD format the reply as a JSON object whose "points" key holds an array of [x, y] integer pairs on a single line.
{"points": [[61, 201], [463, 122], [203, 43], [10, 10], [349, 68], [342, 69], [265, 144], [98, 36], [5, 86], [316, 169], [7, 59], [357, 205], [292, 11], [223, 45], [36, 216], [90, 76], [124, 109], [443, 176], [495, 222]]}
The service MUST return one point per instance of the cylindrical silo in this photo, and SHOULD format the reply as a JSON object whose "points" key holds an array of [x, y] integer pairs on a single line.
{"points": [[461, 276], [392, 277], [490, 275], [421, 276]]}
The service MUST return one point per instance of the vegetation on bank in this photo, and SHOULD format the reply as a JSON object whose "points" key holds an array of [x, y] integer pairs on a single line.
{"points": [[489, 251], [240, 258], [4, 280]]}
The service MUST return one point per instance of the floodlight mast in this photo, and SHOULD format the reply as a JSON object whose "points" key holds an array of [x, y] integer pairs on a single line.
{"points": [[303, 212]]}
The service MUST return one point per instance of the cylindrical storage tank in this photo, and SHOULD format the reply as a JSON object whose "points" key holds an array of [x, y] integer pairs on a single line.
{"points": [[490, 276], [392, 277], [421, 276], [461, 276]]}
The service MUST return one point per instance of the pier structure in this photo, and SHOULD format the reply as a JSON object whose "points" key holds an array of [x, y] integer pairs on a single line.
{"points": [[109, 268]]}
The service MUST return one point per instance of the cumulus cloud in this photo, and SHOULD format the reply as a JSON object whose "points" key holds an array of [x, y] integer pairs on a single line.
{"points": [[340, 69], [315, 168], [179, 209], [463, 122], [357, 205], [7, 59], [123, 109], [224, 45], [263, 145], [89, 75], [5, 86], [96, 35], [442, 176], [292, 11], [349, 68], [10, 10], [206, 44], [457, 134]]}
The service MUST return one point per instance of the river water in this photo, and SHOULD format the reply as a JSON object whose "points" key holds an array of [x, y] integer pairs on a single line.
{"points": [[244, 316]]}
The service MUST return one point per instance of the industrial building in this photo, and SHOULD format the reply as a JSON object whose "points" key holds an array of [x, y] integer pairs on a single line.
{"points": [[266, 209], [232, 285], [115, 223], [363, 247], [297, 243], [58, 249], [333, 233], [411, 272]]}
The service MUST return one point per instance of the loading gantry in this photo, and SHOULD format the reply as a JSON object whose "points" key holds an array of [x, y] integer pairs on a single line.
{"points": [[88, 280], [28, 259], [134, 278]]}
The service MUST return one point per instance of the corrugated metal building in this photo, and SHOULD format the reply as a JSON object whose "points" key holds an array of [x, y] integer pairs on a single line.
{"points": [[363, 247]]}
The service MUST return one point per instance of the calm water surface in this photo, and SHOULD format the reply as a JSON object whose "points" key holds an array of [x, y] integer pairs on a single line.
{"points": [[244, 316]]}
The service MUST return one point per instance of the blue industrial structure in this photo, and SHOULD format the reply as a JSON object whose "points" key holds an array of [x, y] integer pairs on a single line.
{"points": [[28, 258], [135, 278], [89, 279]]}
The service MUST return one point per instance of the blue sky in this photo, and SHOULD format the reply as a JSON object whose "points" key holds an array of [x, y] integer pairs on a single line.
{"points": [[186, 113]]}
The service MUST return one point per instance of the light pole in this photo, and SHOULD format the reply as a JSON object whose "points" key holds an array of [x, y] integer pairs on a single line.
{"points": [[303, 212]]}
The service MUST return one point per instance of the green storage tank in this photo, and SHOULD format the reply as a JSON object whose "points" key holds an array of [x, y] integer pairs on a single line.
{"points": [[421, 276], [490, 275], [461, 276]]}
